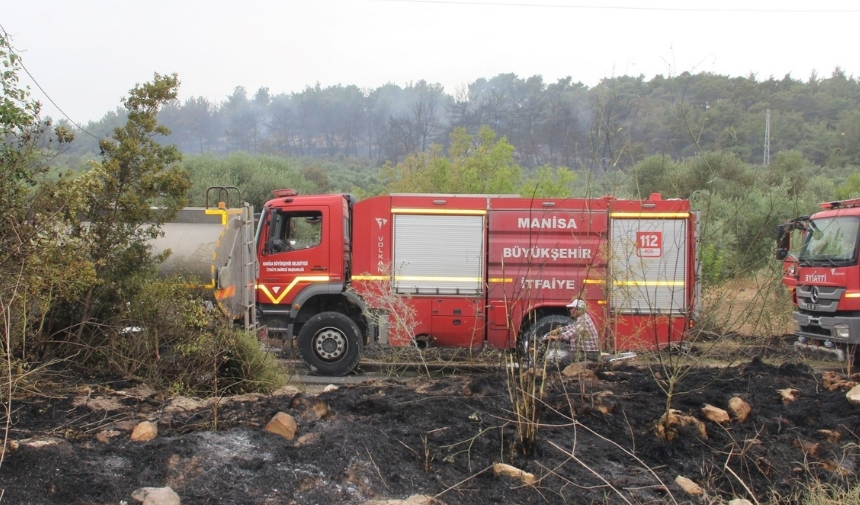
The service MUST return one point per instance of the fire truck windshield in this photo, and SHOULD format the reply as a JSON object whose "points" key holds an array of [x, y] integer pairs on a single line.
{"points": [[831, 240]]}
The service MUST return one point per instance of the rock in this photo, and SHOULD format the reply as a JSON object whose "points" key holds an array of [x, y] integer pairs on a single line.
{"points": [[740, 409], [740, 501], [669, 430], [688, 486], [312, 409], [144, 431], [156, 496], [513, 472], [854, 395], [38, 442], [329, 388], [788, 395], [715, 414], [579, 371], [307, 439], [833, 381], [282, 424], [603, 403]]}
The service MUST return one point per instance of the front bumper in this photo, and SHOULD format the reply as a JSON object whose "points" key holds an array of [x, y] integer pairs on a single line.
{"points": [[825, 328]]}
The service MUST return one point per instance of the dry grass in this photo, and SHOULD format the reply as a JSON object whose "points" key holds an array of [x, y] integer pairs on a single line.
{"points": [[758, 305]]}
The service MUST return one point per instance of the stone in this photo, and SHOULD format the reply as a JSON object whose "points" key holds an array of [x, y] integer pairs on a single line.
{"points": [[740, 501], [669, 429], [788, 395], [740, 409], [579, 371], [311, 408], [715, 414], [688, 486], [853, 395], [144, 431], [513, 472], [156, 496], [282, 424], [307, 439]]}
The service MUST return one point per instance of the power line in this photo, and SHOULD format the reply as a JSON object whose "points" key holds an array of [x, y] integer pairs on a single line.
{"points": [[627, 8], [53, 102], [21, 63]]}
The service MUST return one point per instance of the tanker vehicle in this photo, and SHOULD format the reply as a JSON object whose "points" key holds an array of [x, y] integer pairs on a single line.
{"points": [[479, 271]]}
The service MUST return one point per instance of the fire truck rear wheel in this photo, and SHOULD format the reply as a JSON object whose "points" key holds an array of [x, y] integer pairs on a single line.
{"points": [[330, 344], [532, 336]]}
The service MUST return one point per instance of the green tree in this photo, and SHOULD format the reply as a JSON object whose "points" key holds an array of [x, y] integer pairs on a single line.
{"points": [[475, 164], [117, 207], [850, 188], [34, 272]]}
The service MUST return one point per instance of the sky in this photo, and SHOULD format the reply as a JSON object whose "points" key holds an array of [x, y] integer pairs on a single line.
{"points": [[83, 56]]}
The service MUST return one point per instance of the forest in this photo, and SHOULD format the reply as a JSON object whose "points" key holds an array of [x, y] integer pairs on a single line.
{"points": [[613, 125]]}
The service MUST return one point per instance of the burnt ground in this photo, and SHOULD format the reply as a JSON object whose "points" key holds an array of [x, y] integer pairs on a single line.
{"points": [[438, 437]]}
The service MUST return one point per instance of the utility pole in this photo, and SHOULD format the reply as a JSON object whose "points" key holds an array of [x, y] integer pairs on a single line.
{"points": [[767, 138]]}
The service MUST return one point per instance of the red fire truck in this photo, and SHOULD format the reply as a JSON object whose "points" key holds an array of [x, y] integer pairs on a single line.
{"points": [[477, 271], [819, 254]]}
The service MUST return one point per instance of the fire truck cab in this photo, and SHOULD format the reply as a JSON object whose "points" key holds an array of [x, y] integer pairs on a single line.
{"points": [[820, 267]]}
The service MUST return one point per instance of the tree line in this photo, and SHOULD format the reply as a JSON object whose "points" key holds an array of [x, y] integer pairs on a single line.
{"points": [[612, 125]]}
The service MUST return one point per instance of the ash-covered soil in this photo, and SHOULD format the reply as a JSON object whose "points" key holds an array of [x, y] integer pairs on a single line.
{"points": [[438, 437]]}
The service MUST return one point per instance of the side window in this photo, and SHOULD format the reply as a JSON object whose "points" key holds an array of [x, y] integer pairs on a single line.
{"points": [[307, 231], [291, 231]]}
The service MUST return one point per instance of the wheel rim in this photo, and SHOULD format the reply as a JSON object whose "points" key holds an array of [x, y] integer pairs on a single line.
{"points": [[330, 344]]}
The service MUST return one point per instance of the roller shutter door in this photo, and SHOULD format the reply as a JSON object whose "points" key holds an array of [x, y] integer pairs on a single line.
{"points": [[648, 266], [436, 254]]}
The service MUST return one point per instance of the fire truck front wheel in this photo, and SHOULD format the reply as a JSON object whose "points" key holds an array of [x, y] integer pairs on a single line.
{"points": [[330, 344]]}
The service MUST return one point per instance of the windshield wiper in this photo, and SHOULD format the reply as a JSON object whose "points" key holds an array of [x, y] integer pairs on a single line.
{"points": [[808, 261]]}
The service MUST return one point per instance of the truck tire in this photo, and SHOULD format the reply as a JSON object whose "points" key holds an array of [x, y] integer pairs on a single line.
{"points": [[330, 344], [532, 337]]}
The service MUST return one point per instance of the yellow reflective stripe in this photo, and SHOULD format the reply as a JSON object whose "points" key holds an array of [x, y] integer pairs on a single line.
{"points": [[500, 279], [370, 277], [648, 283], [649, 215], [308, 278], [593, 281], [461, 212]]}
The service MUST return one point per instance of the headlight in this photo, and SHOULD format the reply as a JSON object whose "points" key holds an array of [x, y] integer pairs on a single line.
{"points": [[841, 330]]}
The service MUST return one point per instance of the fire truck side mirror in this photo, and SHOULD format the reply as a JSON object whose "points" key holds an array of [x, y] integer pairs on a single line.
{"points": [[783, 240]]}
